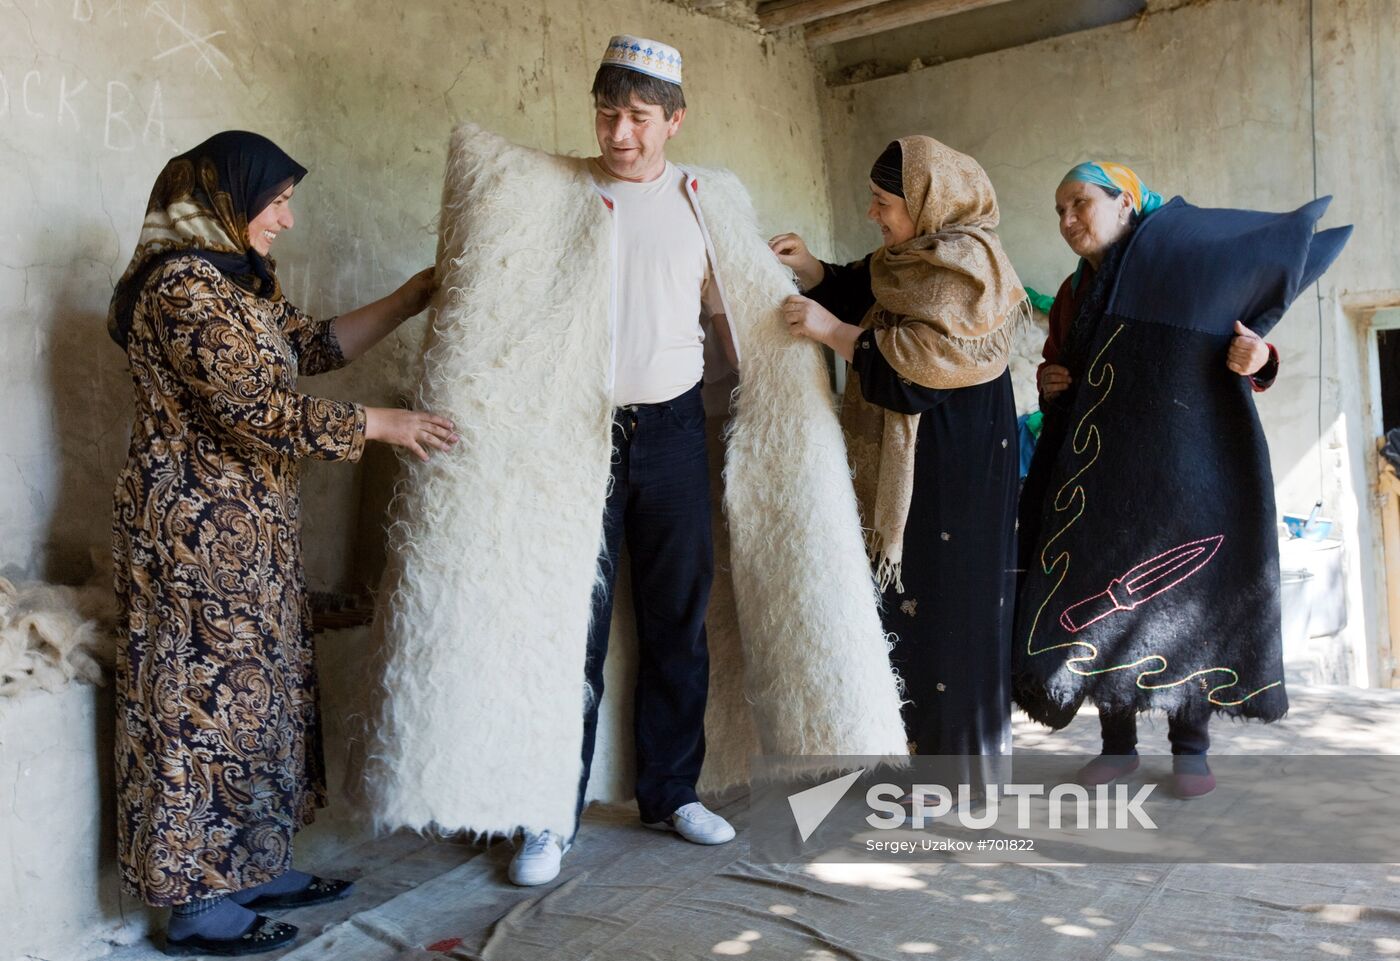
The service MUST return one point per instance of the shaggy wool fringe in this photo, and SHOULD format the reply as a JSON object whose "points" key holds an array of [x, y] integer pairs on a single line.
{"points": [[483, 619], [816, 660], [52, 635], [493, 548]]}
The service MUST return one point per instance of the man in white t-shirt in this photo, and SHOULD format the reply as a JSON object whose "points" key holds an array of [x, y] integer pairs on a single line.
{"points": [[659, 498]]}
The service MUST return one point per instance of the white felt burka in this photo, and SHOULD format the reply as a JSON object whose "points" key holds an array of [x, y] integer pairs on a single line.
{"points": [[494, 547]]}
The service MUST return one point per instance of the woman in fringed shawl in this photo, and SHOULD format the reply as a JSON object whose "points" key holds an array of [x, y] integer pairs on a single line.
{"points": [[927, 323], [218, 736], [1101, 206]]}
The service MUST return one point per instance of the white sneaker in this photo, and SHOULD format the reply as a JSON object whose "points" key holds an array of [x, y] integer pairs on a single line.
{"points": [[697, 824], [537, 861]]}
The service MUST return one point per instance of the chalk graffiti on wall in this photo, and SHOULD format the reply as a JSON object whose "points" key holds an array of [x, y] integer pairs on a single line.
{"points": [[86, 11], [125, 116], [129, 112], [95, 95], [186, 37]]}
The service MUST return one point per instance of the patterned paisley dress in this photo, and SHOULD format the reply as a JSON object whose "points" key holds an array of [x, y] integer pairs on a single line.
{"points": [[218, 737]]}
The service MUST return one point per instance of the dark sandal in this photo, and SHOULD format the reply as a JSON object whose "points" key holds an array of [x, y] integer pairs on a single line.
{"points": [[265, 935], [319, 891]]}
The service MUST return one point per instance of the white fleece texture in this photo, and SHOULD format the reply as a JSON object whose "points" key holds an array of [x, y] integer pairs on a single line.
{"points": [[816, 658], [483, 621], [51, 635]]}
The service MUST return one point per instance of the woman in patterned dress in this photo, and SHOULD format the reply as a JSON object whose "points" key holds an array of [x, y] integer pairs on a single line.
{"points": [[218, 732]]}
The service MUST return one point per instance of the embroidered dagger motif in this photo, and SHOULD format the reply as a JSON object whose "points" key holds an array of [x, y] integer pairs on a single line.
{"points": [[1154, 576]]}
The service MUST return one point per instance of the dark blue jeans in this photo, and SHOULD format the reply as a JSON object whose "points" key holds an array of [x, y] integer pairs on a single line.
{"points": [[660, 505]]}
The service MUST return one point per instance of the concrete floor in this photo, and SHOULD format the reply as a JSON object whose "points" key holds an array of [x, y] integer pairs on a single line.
{"points": [[628, 893]]}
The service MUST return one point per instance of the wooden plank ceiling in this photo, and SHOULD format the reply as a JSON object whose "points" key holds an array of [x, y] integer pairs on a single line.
{"points": [[831, 21]]}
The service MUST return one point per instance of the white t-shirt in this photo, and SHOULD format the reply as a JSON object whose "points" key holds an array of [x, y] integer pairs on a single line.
{"points": [[664, 289]]}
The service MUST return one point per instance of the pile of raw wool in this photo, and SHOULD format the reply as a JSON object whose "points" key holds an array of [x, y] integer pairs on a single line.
{"points": [[50, 635]]}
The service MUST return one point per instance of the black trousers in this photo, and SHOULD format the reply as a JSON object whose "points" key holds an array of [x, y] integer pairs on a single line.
{"points": [[1188, 730], [660, 505]]}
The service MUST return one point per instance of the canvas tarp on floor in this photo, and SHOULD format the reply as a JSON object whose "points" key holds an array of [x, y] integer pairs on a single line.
{"points": [[628, 893]]}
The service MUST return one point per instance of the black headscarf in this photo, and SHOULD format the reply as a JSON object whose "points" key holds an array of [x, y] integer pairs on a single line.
{"points": [[888, 170], [201, 205]]}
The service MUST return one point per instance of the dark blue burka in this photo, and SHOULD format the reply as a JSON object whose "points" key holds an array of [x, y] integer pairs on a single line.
{"points": [[1150, 561]]}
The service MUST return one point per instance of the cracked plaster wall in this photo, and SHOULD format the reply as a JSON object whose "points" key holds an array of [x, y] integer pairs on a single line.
{"points": [[1213, 100], [95, 95]]}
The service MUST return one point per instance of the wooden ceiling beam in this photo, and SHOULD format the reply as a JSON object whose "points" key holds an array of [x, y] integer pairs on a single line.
{"points": [[775, 14], [890, 15]]}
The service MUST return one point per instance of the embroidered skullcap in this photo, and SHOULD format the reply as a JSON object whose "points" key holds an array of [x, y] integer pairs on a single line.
{"points": [[650, 57], [887, 172]]}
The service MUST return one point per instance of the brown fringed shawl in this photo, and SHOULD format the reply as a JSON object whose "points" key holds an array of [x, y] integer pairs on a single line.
{"points": [[944, 312]]}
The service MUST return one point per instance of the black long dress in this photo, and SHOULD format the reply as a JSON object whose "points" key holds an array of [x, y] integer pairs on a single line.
{"points": [[952, 623]]}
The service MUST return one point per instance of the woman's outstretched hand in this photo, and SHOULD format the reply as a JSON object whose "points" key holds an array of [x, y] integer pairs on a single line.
{"points": [[793, 253], [415, 293], [1248, 352], [363, 327], [807, 318], [414, 430]]}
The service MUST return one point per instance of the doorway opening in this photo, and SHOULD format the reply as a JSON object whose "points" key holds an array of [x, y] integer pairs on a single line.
{"points": [[1383, 346], [1383, 350]]}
